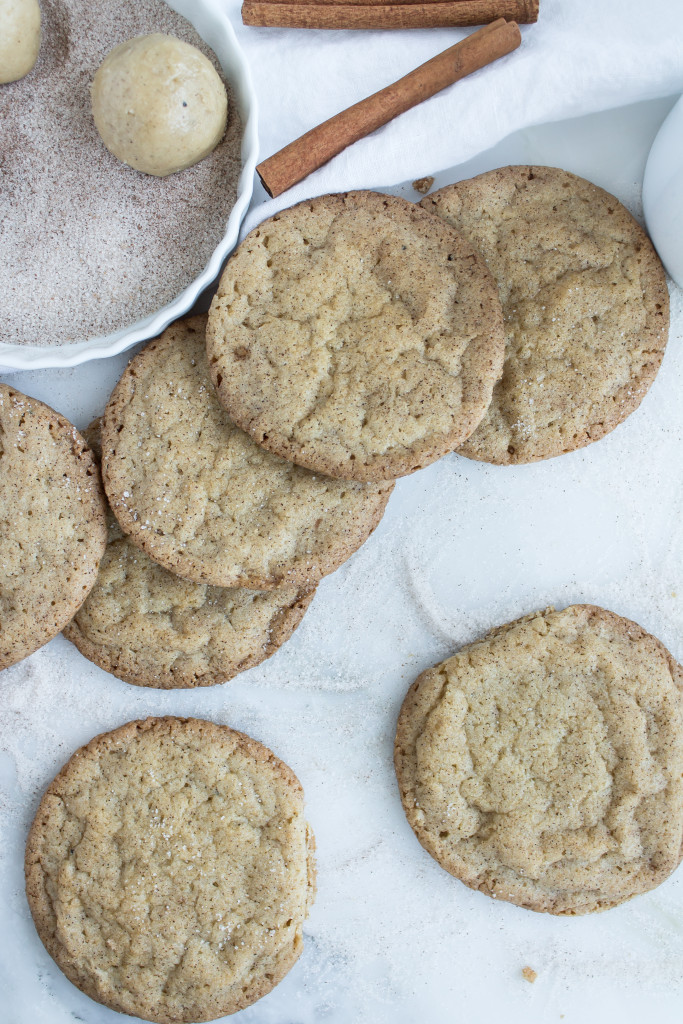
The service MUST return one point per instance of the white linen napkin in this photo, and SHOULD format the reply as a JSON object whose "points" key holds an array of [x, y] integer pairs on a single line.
{"points": [[580, 57]]}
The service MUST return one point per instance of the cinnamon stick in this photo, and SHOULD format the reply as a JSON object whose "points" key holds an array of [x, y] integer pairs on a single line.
{"points": [[378, 14], [300, 158]]}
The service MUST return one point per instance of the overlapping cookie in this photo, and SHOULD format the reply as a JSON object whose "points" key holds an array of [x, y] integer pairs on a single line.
{"points": [[544, 764], [201, 498], [585, 301], [356, 335], [169, 870], [52, 523], [149, 627]]}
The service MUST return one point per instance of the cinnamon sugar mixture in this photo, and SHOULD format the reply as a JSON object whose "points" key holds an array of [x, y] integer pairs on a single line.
{"points": [[87, 244]]}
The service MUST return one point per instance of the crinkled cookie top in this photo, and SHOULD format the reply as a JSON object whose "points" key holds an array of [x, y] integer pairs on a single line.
{"points": [[585, 301], [52, 523], [356, 335], [151, 628], [201, 498], [544, 764], [169, 869]]}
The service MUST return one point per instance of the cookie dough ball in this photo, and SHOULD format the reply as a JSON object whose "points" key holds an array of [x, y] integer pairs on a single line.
{"points": [[19, 38], [159, 104]]}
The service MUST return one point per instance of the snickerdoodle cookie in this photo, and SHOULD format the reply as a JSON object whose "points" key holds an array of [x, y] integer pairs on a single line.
{"points": [[356, 335], [169, 869], [201, 498], [585, 301], [148, 626], [52, 523], [544, 764]]}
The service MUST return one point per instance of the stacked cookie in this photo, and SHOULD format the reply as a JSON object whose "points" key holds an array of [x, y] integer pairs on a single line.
{"points": [[585, 302], [223, 543], [354, 337]]}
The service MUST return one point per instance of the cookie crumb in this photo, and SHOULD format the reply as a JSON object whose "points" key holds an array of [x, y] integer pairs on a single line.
{"points": [[529, 974], [423, 185]]}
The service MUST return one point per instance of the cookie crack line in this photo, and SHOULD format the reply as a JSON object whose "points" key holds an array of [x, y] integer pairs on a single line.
{"points": [[545, 802], [326, 422], [285, 526], [267, 935]]}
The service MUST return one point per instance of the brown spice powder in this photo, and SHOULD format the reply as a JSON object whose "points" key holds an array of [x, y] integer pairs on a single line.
{"points": [[89, 245]]}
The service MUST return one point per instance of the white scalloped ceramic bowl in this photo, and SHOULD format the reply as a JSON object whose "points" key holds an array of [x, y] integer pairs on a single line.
{"points": [[212, 24]]}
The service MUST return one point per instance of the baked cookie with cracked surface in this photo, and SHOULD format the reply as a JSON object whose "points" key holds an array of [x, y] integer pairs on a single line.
{"points": [[52, 523], [356, 335], [169, 870], [149, 627], [585, 301], [544, 764], [201, 498]]}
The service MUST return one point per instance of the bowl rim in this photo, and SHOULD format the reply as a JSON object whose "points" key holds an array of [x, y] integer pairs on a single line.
{"points": [[661, 185], [209, 18]]}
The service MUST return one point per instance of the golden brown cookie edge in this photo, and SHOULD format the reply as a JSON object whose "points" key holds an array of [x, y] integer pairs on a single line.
{"points": [[385, 467], [39, 903], [458, 868], [630, 396]]}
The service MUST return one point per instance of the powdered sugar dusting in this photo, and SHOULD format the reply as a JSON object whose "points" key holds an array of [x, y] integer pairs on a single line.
{"points": [[393, 939], [462, 547]]}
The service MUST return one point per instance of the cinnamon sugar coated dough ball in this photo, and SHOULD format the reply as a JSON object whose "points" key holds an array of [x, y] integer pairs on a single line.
{"points": [[19, 38], [159, 104], [169, 870], [543, 764]]}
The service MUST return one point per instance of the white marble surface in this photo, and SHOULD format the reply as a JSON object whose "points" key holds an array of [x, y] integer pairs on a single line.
{"points": [[392, 938]]}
